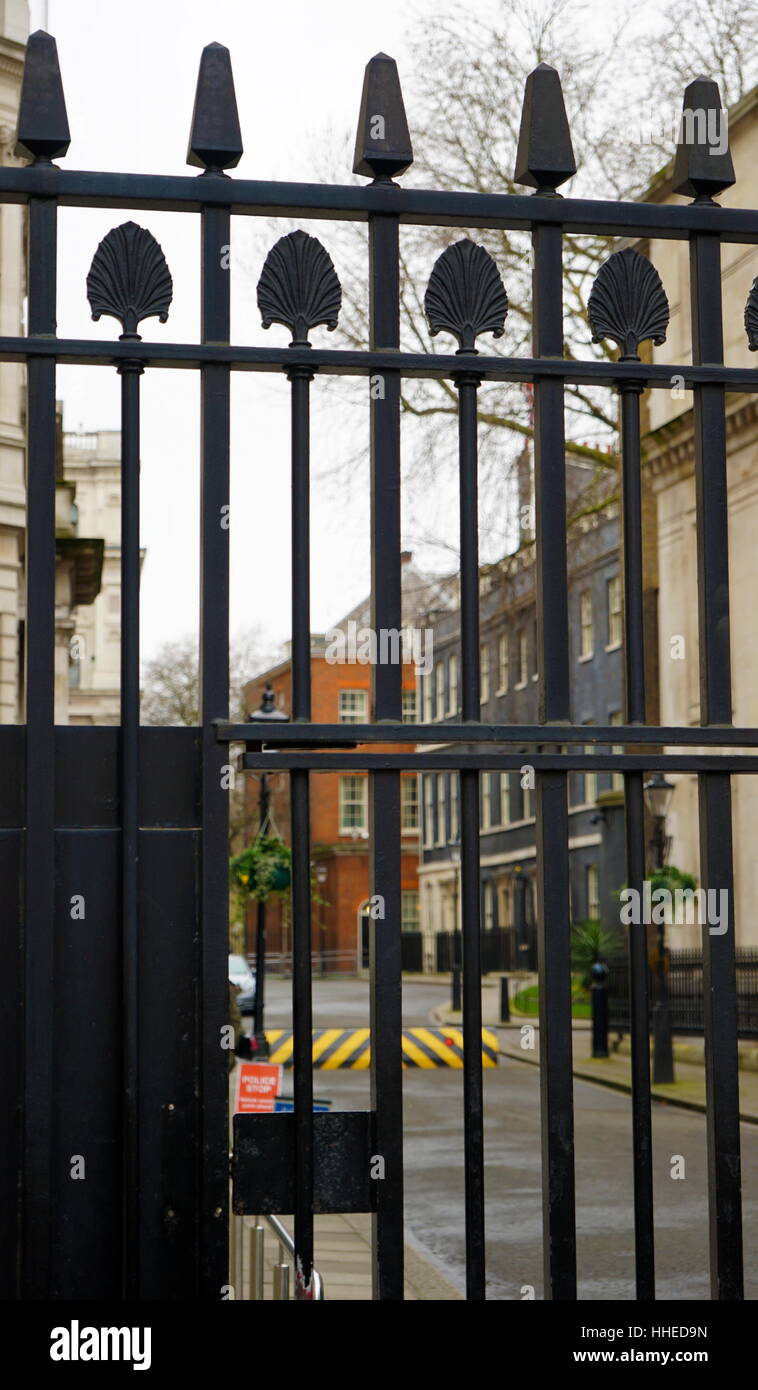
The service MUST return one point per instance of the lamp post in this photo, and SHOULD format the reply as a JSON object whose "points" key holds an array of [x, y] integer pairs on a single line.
{"points": [[455, 855], [658, 794], [267, 713], [321, 876]]}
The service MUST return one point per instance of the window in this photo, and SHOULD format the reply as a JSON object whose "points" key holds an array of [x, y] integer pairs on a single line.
{"points": [[409, 706], [452, 684], [488, 905], [409, 910], [502, 664], [617, 778], [593, 892], [484, 673], [439, 673], [505, 798], [454, 822], [353, 804], [440, 808], [409, 804], [427, 687], [353, 706], [614, 611], [486, 800], [586, 625], [523, 660], [428, 811], [590, 780]]}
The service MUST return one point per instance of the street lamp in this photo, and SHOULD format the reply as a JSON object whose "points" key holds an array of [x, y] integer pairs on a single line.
{"points": [[455, 856], [321, 877], [658, 794], [267, 713]]}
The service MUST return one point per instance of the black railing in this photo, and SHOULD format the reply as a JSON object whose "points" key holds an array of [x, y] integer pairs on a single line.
{"points": [[686, 992], [153, 984], [500, 949]]}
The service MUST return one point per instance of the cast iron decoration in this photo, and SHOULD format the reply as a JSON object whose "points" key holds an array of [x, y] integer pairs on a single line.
{"points": [[465, 295], [628, 303], [129, 278], [299, 287], [751, 316]]}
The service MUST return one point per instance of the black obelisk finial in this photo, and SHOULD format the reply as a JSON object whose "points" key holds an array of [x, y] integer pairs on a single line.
{"points": [[383, 143], [703, 164], [42, 133], [545, 155], [215, 141]]}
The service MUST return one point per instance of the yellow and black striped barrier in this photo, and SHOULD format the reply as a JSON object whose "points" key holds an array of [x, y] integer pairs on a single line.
{"points": [[351, 1047]]}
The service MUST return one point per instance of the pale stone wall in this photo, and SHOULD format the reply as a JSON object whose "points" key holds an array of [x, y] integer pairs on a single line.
{"points": [[92, 463], [670, 473], [14, 26]]}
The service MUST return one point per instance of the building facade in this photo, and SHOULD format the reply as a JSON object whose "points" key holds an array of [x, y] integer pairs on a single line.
{"points": [[672, 541], [509, 683], [341, 693]]}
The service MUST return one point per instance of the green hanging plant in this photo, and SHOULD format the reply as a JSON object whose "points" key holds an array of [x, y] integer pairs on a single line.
{"points": [[264, 868]]}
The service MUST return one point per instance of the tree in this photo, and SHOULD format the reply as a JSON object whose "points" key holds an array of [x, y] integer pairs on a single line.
{"points": [[464, 94], [170, 693]]}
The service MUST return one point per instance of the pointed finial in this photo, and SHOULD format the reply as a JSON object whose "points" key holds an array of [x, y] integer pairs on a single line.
{"points": [[545, 155], [42, 131], [215, 141], [702, 165], [383, 144]]}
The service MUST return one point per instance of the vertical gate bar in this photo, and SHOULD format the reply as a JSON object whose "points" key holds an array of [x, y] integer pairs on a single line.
{"points": [[39, 921], [716, 869], [384, 787], [130, 372], [302, 1006], [214, 704], [473, 1100], [634, 818], [553, 931]]}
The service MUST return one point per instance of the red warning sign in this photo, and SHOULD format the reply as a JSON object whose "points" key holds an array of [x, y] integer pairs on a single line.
{"points": [[258, 1085]]}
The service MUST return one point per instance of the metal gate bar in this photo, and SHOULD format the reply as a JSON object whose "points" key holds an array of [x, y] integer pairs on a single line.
{"points": [[634, 834], [385, 962], [473, 1099], [715, 804], [38, 931], [553, 931]]}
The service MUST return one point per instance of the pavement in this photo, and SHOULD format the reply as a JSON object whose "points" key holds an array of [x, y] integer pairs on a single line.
{"points": [[342, 1256], [615, 1071]]}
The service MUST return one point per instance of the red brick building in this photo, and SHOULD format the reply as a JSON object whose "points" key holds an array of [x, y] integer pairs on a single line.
{"points": [[341, 693]]}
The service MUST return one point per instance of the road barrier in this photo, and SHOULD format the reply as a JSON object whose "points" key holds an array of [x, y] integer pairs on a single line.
{"points": [[351, 1047]]}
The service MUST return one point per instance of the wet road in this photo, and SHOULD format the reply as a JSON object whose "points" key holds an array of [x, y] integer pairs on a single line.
{"points": [[434, 1168]]}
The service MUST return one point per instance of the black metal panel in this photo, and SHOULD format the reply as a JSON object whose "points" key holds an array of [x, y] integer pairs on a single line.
{"points": [[264, 1163], [86, 1036], [168, 1051], [11, 1045]]}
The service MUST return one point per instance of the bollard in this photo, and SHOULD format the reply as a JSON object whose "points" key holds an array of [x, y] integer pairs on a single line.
{"points": [[505, 1006], [281, 1280], [256, 1235], [599, 1009]]}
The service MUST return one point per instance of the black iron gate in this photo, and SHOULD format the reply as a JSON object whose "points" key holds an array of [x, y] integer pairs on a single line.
{"points": [[110, 1041]]}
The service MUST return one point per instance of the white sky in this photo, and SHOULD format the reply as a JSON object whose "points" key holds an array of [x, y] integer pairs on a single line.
{"points": [[129, 72]]}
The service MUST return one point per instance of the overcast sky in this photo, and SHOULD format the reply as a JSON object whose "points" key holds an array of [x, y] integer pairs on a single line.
{"points": [[129, 72]]}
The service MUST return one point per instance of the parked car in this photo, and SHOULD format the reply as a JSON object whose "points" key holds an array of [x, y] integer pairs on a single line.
{"points": [[241, 975]]}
